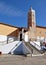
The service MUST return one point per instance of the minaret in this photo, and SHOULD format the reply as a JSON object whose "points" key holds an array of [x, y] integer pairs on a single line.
{"points": [[31, 18], [31, 23]]}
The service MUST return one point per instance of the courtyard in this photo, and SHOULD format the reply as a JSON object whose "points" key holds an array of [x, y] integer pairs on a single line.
{"points": [[22, 60]]}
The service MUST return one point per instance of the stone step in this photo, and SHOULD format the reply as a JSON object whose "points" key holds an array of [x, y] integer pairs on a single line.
{"points": [[32, 48]]}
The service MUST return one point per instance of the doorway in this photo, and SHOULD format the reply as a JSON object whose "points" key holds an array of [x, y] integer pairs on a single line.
{"points": [[21, 36]]}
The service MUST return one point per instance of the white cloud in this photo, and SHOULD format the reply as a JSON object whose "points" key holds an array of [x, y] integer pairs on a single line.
{"points": [[10, 11]]}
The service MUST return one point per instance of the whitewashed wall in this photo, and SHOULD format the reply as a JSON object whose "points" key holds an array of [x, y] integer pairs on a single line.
{"points": [[15, 47], [3, 39], [26, 38], [5, 49]]}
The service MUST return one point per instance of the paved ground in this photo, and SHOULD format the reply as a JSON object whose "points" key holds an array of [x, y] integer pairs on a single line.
{"points": [[21, 60]]}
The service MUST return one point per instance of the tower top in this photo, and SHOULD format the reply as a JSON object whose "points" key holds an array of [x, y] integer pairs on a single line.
{"points": [[31, 18], [31, 9]]}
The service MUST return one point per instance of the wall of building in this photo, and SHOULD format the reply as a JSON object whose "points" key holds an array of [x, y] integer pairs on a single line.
{"points": [[6, 39], [40, 32], [7, 48], [14, 33], [8, 31]]}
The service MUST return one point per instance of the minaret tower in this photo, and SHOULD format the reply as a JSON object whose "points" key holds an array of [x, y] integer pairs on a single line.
{"points": [[31, 23]]}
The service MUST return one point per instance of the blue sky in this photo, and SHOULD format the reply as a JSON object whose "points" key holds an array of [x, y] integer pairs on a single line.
{"points": [[15, 12]]}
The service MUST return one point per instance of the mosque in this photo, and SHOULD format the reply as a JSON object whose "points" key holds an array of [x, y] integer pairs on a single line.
{"points": [[9, 33]]}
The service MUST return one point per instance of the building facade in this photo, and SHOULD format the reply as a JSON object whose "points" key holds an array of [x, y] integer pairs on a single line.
{"points": [[32, 32], [8, 33]]}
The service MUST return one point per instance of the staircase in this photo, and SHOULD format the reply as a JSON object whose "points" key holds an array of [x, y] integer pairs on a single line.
{"points": [[33, 50], [29, 48], [36, 50]]}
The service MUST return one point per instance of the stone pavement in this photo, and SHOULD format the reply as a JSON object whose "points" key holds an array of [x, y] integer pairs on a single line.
{"points": [[21, 60]]}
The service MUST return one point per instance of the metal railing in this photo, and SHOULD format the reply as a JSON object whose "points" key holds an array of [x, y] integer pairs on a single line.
{"points": [[14, 47], [37, 46], [5, 42]]}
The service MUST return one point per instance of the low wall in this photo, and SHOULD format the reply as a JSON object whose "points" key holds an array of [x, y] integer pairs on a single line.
{"points": [[5, 49], [7, 39], [36, 44]]}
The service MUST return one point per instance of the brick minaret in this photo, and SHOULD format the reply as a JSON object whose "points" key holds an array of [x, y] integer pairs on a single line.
{"points": [[31, 18], [31, 23]]}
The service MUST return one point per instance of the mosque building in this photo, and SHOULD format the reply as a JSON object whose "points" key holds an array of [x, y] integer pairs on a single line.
{"points": [[32, 32], [12, 38]]}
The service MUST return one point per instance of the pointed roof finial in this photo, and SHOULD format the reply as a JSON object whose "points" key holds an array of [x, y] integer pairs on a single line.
{"points": [[30, 8]]}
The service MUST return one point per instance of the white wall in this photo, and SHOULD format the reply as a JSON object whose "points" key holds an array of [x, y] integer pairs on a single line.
{"points": [[45, 39], [40, 38], [5, 49], [16, 47], [26, 38], [3, 39]]}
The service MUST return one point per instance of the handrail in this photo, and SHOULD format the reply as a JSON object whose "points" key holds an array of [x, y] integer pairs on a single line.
{"points": [[36, 44], [37, 48], [2, 41], [6, 41], [14, 47]]}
